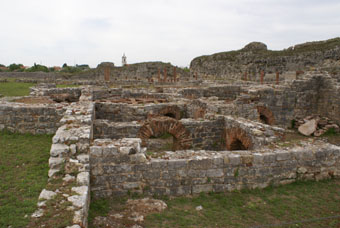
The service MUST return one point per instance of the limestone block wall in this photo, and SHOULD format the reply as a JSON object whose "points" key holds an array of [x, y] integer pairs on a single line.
{"points": [[216, 172], [107, 129], [101, 93], [30, 75], [120, 112], [222, 92], [204, 134], [207, 134], [72, 92], [329, 99], [282, 104], [316, 93], [252, 135], [69, 173], [34, 119]]}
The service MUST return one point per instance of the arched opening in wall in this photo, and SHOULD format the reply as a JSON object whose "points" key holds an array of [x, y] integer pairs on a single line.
{"points": [[171, 111], [171, 115], [238, 139], [264, 119], [165, 130], [265, 115], [237, 145]]}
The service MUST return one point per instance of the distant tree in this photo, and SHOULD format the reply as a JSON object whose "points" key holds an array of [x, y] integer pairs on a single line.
{"points": [[71, 69], [15, 67], [1, 65], [37, 68], [186, 69], [64, 65]]}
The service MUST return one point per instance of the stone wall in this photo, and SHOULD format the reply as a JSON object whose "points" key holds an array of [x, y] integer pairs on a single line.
{"points": [[32, 119], [207, 134], [236, 63], [316, 93], [120, 112], [107, 129], [69, 173], [100, 93], [117, 170], [204, 134], [222, 92], [40, 76], [139, 71]]}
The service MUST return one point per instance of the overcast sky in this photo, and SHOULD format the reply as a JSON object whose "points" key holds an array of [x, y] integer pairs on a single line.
{"points": [[176, 31]]}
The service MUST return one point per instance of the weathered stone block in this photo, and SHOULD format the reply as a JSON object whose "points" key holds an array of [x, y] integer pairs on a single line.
{"points": [[55, 163], [269, 157], [202, 188], [215, 173], [282, 156], [258, 158], [149, 175], [131, 185], [177, 164], [234, 159], [196, 173], [181, 190], [83, 178], [59, 150], [159, 164]]}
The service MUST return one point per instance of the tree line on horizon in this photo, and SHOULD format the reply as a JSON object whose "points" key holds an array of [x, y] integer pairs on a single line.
{"points": [[14, 67]]}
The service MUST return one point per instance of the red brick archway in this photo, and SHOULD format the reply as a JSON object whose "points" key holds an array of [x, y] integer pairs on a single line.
{"points": [[265, 115], [238, 139], [163, 124]]}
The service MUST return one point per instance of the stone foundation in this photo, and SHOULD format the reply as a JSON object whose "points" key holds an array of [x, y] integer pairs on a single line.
{"points": [[116, 171], [34, 119]]}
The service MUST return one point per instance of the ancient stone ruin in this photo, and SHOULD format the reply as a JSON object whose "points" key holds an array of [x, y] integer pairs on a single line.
{"points": [[181, 138]]}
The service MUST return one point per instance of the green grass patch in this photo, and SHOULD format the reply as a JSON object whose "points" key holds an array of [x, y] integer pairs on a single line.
{"points": [[23, 169], [330, 132], [274, 205], [246, 208], [163, 136], [12, 88]]}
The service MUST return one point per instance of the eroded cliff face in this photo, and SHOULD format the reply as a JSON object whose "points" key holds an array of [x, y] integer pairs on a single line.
{"points": [[255, 57]]}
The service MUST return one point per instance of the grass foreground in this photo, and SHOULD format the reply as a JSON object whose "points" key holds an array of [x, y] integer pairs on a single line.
{"points": [[23, 169], [13, 89], [18, 89], [300, 204]]}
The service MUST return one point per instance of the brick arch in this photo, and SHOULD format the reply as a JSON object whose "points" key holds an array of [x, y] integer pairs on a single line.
{"points": [[171, 111], [238, 139], [265, 115], [163, 124]]}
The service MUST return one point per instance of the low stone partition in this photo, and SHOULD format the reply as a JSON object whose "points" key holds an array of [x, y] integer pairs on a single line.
{"points": [[120, 112], [100, 93], [107, 129], [67, 194], [58, 94], [30, 75], [33, 118], [119, 168], [222, 92], [215, 133]]}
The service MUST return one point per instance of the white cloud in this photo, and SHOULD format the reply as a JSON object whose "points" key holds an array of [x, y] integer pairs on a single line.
{"points": [[176, 31]]}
